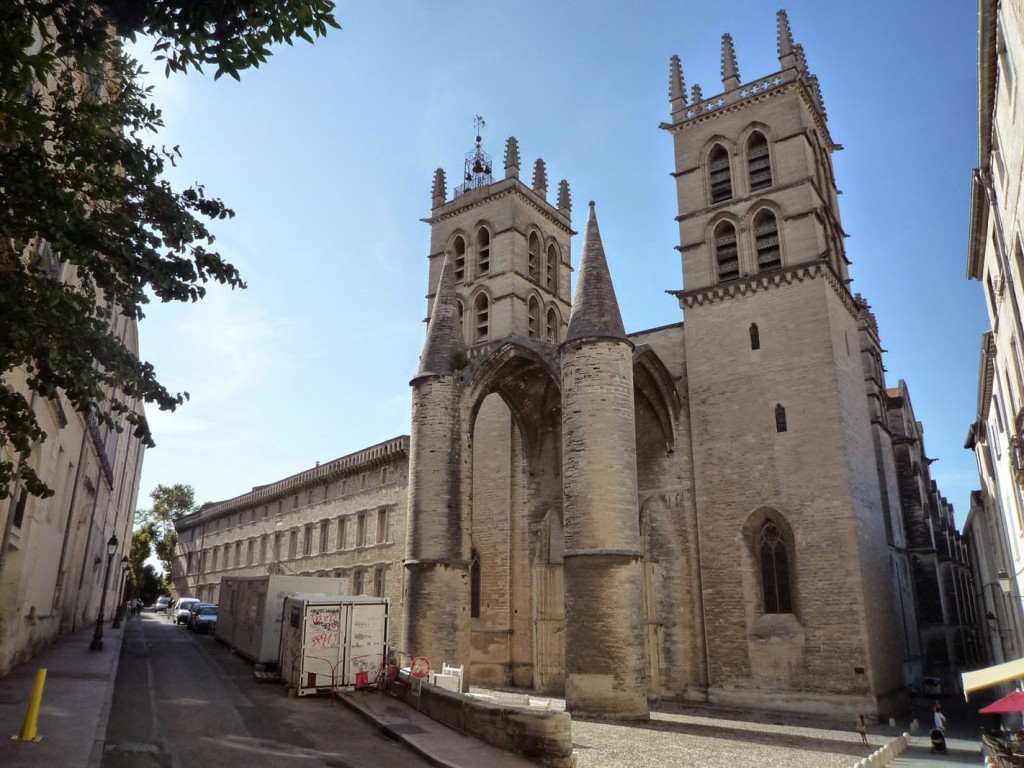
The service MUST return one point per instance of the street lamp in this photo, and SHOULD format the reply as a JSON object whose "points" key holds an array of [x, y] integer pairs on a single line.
{"points": [[1004, 580], [97, 636], [119, 613]]}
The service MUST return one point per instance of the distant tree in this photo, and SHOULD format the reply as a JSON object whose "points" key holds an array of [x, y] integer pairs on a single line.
{"points": [[156, 525], [81, 186]]}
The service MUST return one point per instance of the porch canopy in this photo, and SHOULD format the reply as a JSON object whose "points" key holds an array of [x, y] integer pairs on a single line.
{"points": [[986, 678]]}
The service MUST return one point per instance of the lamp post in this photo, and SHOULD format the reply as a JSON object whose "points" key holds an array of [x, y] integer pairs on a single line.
{"points": [[119, 613], [97, 636]]}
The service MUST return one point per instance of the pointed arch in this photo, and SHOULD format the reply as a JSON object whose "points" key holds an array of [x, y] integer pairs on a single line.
{"points": [[533, 315], [481, 319], [553, 325], [483, 251], [533, 257], [770, 541], [551, 268], [759, 164], [719, 175], [656, 385], [458, 250], [727, 255], [767, 245]]}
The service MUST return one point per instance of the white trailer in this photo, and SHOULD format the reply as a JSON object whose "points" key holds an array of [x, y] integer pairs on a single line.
{"points": [[251, 607], [332, 643]]}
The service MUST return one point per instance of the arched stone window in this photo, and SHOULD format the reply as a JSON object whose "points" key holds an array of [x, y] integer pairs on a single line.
{"points": [[551, 269], [552, 326], [459, 263], [534, 263], [759, 164], [483, 251], [719, 175], [774, 556], [534, 314], [766, 241], [481, 311], [727, 256], [755, 337], [780, 419]]}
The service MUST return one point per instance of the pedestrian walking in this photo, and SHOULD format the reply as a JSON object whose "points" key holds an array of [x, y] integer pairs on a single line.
{"points": [[862, 729], [938, 717]]}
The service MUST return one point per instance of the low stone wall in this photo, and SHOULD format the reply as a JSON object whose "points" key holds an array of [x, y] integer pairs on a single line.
{"points": [[542, 736]]}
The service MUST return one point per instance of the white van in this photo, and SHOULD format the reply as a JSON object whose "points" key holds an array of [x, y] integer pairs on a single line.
{"points": [[180, 613]]}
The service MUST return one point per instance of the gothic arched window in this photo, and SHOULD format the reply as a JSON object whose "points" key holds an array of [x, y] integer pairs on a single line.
{"points": [[551, 269], [759, 165], [726, 252], [481, 317], [534, 251], [534, 313], [719, 174], [766, 241], [552, 326], [483, 251], [459, 249], [774, 556]]}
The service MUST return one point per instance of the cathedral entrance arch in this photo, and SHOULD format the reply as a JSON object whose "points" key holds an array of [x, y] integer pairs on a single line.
{"points": [[513, 478]]}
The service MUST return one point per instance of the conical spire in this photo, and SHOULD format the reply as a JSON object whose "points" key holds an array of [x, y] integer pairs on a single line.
{"points": [[512, 158], [540, 178], [676, 85], [440, 192], [784, 40], [595, 310], [444, 331], [564, 198], [730, 71]]}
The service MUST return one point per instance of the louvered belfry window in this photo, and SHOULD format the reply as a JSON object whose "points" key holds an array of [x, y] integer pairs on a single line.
{"points": [[534, 257], [726, 252], [759, 165], [482, 318], [534, 318], [459, 246], [766, 237], [721, 178]]}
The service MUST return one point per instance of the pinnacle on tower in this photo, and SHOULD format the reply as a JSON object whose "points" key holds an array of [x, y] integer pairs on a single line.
{"points": [[512, 158], [696, 95], [800, 59], [595, 310], [564, 198], [784, 40], [676, 85], [730, 71], [444, 331], [540, 178], [816, 92], [440, 191]]}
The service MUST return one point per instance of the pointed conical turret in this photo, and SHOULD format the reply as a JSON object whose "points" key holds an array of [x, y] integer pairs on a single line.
{"points": [[595, 310], [512, 158], [676, 86], [784, 41], [564, 198], [444, 331], [540, 178], [440, 192], [730, 71]]}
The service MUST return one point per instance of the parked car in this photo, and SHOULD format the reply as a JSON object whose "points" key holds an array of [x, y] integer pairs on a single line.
{"points": [[192, 610], [204, 620], [182, 608], [161, 603]]}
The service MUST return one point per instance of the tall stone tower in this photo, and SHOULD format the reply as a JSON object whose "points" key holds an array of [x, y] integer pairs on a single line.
{"points": [[793, 556]]}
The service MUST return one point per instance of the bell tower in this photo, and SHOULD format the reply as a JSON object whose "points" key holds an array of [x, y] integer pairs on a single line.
{"points": [[782, 440], [509, 249]]}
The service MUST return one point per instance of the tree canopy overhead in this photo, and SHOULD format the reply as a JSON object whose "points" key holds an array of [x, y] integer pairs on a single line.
{"points": [[82, 195]]}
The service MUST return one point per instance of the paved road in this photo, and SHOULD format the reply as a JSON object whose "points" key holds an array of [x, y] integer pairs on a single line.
{"points": [[184, 700]]}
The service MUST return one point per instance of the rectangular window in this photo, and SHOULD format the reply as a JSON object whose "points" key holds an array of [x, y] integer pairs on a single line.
{"points": [[202, 562], [277, 547], [378, 580], [238, 554], [357, 582], [19, 510], [361, 529], [215, 558], [295, 501], [307, 541], [362, 481], [344, 486], [342, 531], [188, 563], [263, 549], [293, 544], [251, 554], [382, 525], [325, 531], [383, 475], [227, 555]]}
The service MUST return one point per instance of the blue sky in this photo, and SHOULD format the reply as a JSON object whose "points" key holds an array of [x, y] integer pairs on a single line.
{"points": [[327, 156]]}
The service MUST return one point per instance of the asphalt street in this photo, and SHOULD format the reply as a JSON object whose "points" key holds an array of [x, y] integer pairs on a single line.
{"points": [[183, 699]]}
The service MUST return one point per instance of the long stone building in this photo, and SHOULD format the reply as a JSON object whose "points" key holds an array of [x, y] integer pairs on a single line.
{"points": [[716, 510]]}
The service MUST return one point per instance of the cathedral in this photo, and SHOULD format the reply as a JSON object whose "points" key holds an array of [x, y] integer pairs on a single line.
{"points": [[712, 510]]}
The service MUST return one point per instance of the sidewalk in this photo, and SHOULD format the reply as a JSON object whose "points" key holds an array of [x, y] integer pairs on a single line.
{"points": [[75, 706]]}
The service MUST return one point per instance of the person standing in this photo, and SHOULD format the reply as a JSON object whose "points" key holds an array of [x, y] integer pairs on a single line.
{"points": [[938, 717], [862, 729]]}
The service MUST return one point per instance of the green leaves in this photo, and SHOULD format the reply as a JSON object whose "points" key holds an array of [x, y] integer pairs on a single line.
{"points": [[89, 229]]}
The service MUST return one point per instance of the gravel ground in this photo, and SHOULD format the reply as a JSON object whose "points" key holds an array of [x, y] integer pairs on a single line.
{"points": [[710, 737]]}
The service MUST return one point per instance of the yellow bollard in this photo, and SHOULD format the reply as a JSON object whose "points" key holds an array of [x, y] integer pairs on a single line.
{"points": [[28, 728]]}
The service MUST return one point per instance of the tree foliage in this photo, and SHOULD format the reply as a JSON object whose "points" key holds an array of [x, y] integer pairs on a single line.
{"points": [[82, 187], [155, 526]]}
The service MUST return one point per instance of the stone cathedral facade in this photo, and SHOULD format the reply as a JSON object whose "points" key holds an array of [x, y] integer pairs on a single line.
{"points": [[714, 510]]}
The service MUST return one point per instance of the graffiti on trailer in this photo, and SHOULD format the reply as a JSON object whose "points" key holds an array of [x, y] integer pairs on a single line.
{"points": [[324, 640], [327, 621]]}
